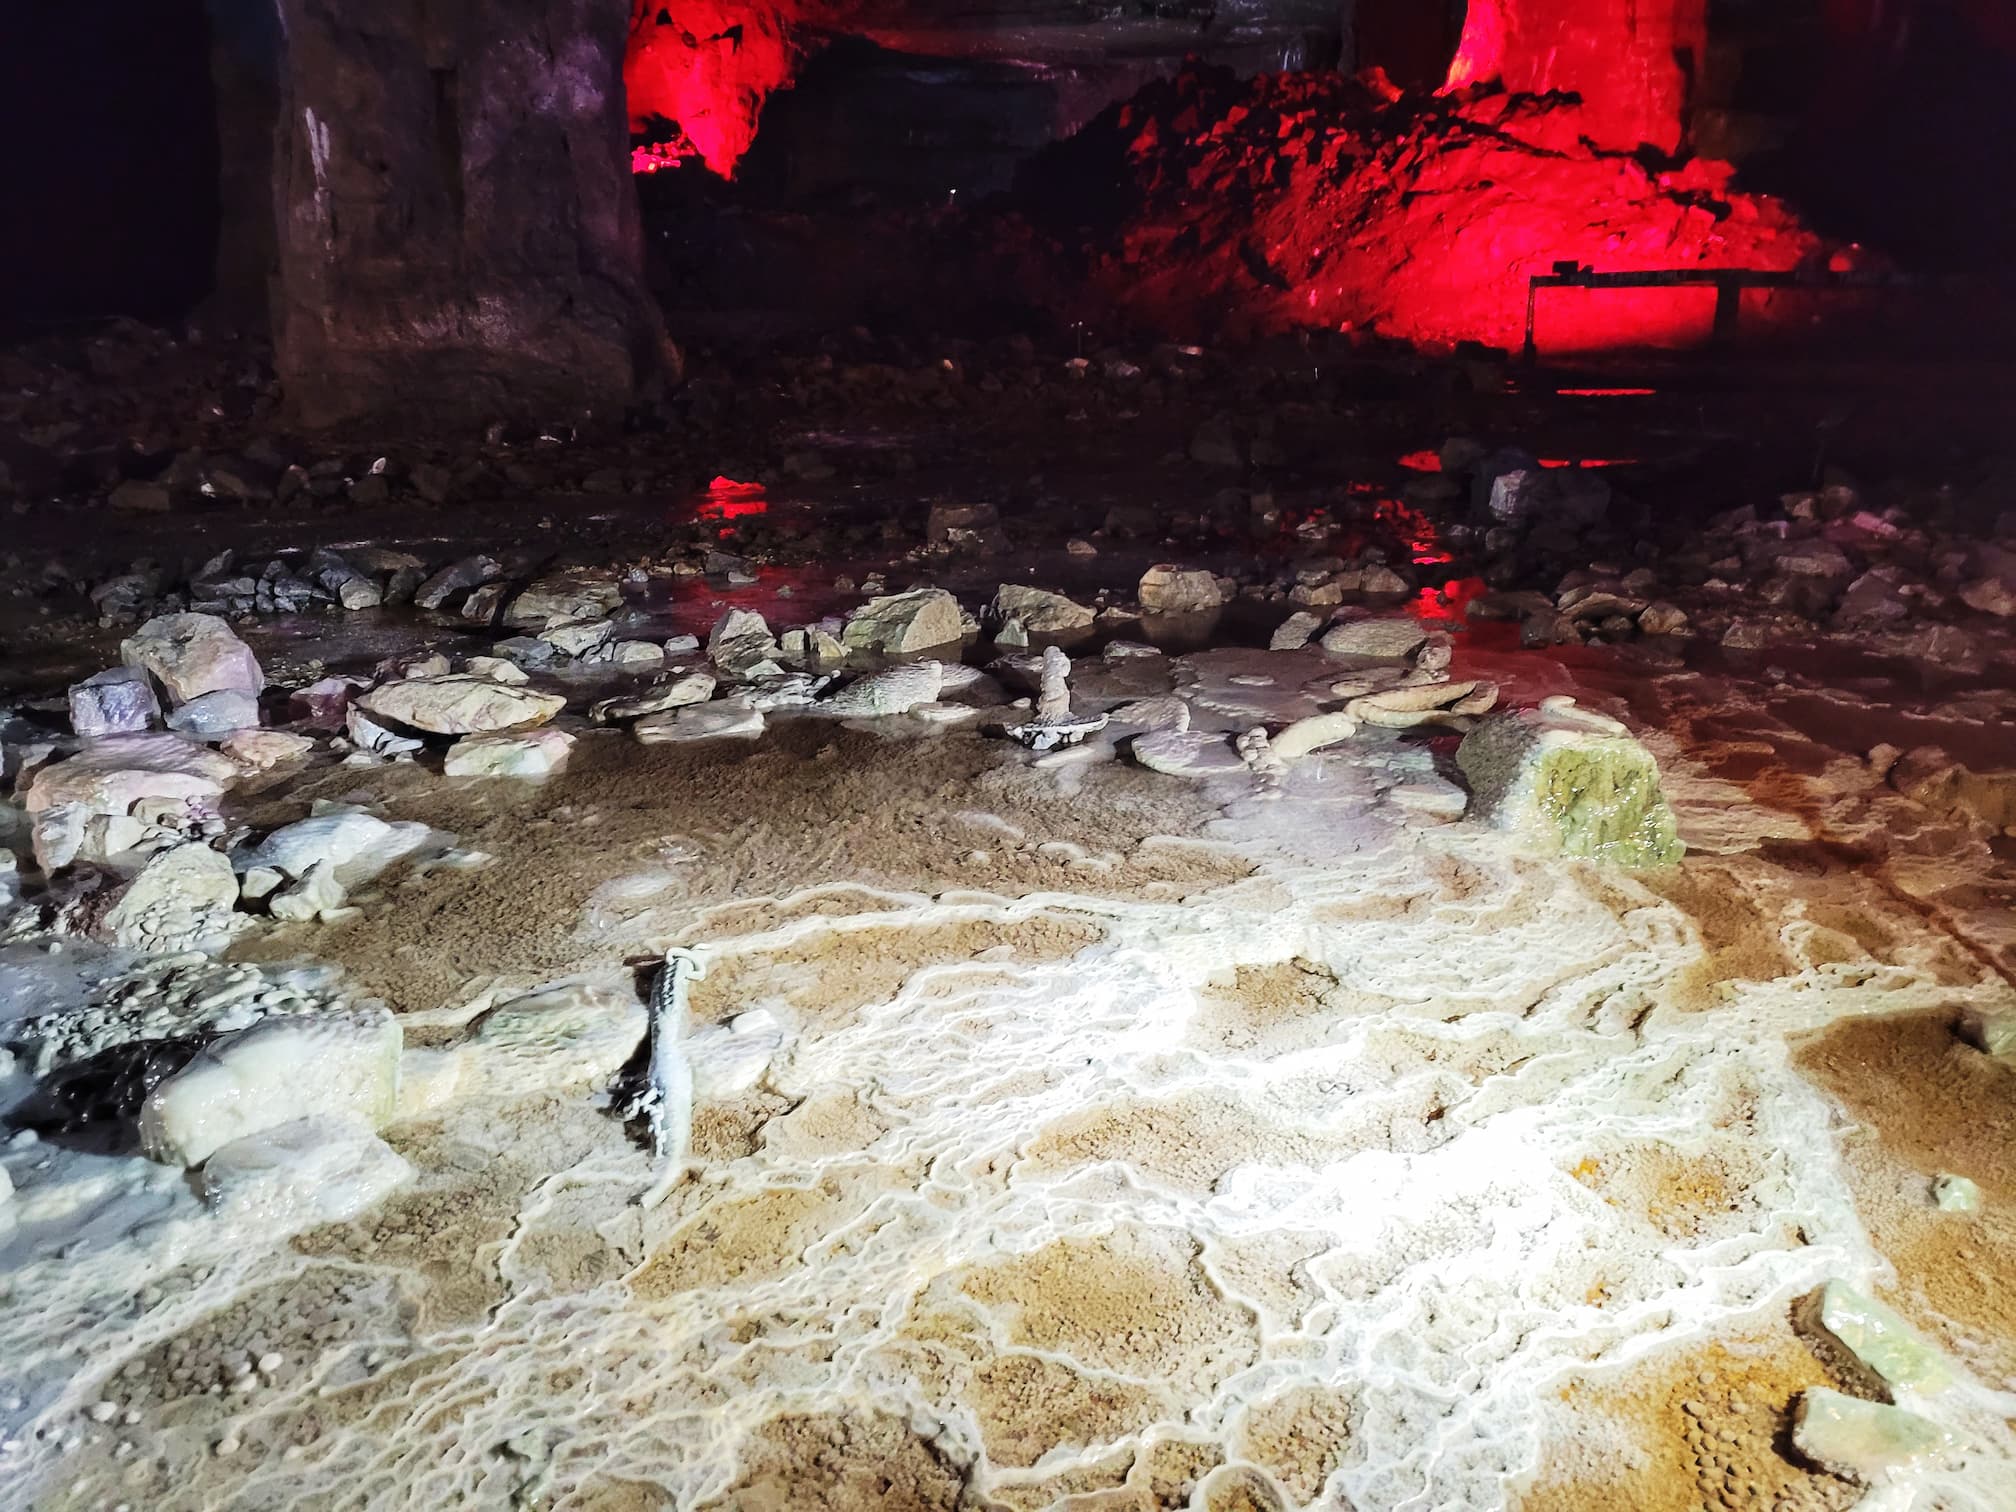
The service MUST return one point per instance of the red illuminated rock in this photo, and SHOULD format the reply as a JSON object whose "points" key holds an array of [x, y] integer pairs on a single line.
{"points": [[1208, 206]]}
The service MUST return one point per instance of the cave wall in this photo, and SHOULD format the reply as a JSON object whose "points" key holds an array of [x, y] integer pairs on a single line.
{"points": [[458, 236]]}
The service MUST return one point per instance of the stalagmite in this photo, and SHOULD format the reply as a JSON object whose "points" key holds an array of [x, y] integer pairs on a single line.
{"points": [[668, 1102]]}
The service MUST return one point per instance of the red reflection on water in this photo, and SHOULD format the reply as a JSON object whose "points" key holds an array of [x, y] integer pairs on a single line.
{"points": [[727, 499], [1449, 601]]}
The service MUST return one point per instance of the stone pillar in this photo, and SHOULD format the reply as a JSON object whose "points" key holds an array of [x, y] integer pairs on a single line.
{"points": [[1632, 61], [458, 233]]}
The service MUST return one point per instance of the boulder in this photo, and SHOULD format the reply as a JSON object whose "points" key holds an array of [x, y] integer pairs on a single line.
{"points": [[920, 620], [355, 844], [1166, 589], [457, 577], [261, 750], [193, 654], [327, 1169], [1861, 1440], [459, 705], [689, 688], [1040, 611], [109, 776], [575, 593], [532, 754], [1882, 1346], [1570, 782], [118, 702], [740, 640], [1187, 753], [965, 527], [580, 637], [180, 900], [212, 716], [277, 1071], [1388, 637], [726, 719], [577, 1034], [1295, 632], [893, 690]]}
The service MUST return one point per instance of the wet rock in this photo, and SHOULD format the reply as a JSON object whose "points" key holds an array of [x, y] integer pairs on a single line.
{"points": [[920, 620], [327, 1169], [322, 704], [634, 654], [893, 690], [484, 604], [118, 702], [374, 739], [1187, 753], [1859, 1440], [741, 640], [272, 1074], [1569, 781], [966, 528], [1991, 595], [1882, 1345], [1955, 1194], [1382, 580], [1215, 444], [1305, 736], [211, 716], [578, 593], [353, 589], [1402, 708], [1928, 775], [180, 900], [811, 646], [193, 654], [1295, 632], [1662, 618], [318, 895], [1164, 711], [535, 754], [726, 719], [1039, 611], [456, 578], [353, 844], [576, 1035], [136, 496], [1167, 589], [581, 637], [459, 705], [1390, 637], [691, 688], [110, 776]]}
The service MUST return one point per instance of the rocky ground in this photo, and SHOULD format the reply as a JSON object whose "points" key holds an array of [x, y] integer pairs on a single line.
{"points": [[1292, 930]]}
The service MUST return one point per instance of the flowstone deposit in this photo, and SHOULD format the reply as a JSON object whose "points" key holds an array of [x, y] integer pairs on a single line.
{"points": [[1294, 1175]]}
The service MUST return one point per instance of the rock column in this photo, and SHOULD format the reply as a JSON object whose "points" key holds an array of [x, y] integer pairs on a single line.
{"points": [[458, 235]]}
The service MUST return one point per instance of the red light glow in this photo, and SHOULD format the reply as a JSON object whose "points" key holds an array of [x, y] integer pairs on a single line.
{"points": [[708, 66], [1603, 393], [1448, 602], [1422, 461], [728, 499]]}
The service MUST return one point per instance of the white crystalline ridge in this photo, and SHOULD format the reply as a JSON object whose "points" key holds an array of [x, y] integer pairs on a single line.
{"points": [[1450, 1287]]}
